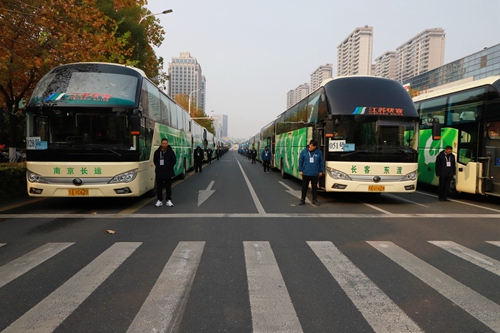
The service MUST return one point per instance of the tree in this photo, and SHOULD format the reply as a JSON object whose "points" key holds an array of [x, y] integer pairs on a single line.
{"points": [[141, 37], [37, 35], [183, 101]]}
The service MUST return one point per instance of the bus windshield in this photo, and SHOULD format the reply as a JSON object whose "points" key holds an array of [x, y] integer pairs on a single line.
{"points": [[371, 138], [85, 85], [82, 135]]}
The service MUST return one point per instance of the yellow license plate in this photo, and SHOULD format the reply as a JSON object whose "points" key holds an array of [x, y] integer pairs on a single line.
{"points": [[376, 188], [78, 192]]}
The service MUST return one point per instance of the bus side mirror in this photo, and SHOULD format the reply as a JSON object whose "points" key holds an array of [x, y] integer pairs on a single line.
{"points": [[329, 128], [436, 129], [135, 124]]}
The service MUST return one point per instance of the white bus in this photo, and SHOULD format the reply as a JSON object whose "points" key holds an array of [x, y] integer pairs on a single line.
{"points": [[92, 129], [469, 115], [366, 127]]}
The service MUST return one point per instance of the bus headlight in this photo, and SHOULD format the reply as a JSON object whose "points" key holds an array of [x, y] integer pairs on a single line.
{"points": [[36, 178], [336, 174], [125, 177], [409, 176]]}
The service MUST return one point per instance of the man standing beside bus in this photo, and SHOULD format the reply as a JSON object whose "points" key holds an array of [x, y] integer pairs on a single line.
{"points": [[164, 159], [265, 157], [445, 170], [311, 166]]}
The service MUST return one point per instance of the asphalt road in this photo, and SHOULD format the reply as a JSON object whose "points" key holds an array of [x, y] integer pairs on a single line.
{"points": [[237, 253]]}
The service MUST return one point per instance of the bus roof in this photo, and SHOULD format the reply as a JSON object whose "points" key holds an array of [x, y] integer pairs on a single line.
{"points": [[491, 80], [325, 81], [140, 71]]}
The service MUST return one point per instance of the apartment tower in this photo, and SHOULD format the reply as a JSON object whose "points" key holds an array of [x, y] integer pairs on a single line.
{"points": [[420, 54], [294, 96], [354, 54], [321, 73], [385, 65], [186, 78]]}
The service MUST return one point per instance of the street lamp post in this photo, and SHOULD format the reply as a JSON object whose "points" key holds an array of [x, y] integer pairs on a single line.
{"points": [[163, 12], [189, 100]]}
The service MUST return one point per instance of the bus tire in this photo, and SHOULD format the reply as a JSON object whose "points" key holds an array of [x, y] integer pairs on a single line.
{"points": [[282, 170]]}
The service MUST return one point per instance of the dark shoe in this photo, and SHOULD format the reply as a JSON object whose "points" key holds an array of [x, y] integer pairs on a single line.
{"points": [[302, 202], [315, 203]]}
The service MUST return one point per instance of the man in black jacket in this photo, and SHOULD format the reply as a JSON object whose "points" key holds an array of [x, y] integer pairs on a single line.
{"points": [[198, 159], [445, 170], [164, 159]]}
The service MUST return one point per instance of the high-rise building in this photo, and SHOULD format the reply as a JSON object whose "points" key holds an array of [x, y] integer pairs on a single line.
{"points": [[220, 125], [321, 73], [385, 65], [420, 54], [186, 78], [354, 54], [294, 96]]}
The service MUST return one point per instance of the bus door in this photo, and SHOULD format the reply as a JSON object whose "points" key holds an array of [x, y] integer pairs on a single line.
{"points": [[491, 162], [469, 167], [319, 136]]}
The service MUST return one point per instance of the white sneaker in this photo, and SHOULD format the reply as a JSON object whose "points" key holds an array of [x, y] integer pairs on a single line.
{"points": [[159, 203], [169, 203]]}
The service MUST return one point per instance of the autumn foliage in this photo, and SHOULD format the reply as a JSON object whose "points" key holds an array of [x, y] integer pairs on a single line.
{"points": [[37, 35]]}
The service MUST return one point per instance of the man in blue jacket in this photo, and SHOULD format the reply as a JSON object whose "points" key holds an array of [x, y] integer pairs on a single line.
{"points": [[266, 159], [311, 166]]}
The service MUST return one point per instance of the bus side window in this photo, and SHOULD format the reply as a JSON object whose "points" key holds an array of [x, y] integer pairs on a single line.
{"points": [[466, 148]]}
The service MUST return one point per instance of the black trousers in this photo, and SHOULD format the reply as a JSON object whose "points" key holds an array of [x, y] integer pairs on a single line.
{"points": [[314, 185], [444, 187], [164, 183], [197, 166], [266, 165]]}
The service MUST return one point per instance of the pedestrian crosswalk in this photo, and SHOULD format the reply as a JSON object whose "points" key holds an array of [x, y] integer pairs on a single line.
{"points": [[270, 302]]}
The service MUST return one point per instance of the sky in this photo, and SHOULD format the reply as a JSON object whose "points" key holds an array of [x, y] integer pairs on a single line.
{"points": [[252, 52]]}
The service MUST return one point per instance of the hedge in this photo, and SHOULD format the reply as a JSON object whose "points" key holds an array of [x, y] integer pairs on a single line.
{"points": [[12, 181]]}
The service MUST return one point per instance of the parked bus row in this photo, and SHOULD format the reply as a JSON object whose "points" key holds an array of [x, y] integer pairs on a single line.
{"points": [[465, 117], [367, 128], [92, 129]]}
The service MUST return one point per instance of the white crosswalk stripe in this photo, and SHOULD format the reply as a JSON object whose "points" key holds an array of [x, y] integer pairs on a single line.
{"points": [[272, 309], [50, 312], [164, 305], [475, 304], [375, 306], [474, 257], [18, 267], [271, 306]]}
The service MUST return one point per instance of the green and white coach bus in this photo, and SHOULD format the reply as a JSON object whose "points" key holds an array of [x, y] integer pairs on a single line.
{"points": [[92, 129], [469, 118], [367, 128]]}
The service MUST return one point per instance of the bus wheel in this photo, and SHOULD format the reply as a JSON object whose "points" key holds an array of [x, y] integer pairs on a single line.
{"points": [[183, 174], [282, 170]]}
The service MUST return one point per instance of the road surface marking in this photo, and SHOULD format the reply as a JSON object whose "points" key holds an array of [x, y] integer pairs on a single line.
{"points": [[295, 193], [462, 202], [403, 199], [205, 216], [471, 256], [475, 304], [163, 309], [23, 264], [255, 198], [47, 315], [375, 306], [270, 304], [203, 195]]}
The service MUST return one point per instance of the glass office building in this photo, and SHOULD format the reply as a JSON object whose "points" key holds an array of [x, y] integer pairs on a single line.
{"points": [[476, 66]]}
